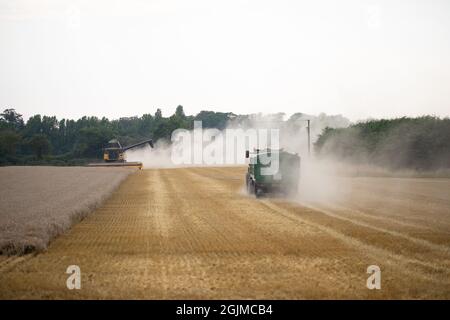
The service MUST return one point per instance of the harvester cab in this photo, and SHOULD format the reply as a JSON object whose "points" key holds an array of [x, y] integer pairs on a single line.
{"points": [[114, 152], [272, 171]]}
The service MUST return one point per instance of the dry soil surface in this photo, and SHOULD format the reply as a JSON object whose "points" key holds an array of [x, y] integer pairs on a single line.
{"points": [[192, 233]]}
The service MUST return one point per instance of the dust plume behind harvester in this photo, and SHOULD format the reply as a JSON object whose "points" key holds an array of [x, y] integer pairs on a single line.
{"points": [[114, 154]]}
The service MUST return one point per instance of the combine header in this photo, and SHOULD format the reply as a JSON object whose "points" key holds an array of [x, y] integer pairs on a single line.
{"points": [[114, 154]]}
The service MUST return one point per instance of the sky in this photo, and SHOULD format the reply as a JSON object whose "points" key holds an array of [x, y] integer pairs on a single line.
{"points": [[362, 59]]}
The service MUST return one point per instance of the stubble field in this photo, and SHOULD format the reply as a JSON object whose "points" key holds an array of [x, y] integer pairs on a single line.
{"points": [[192, 233]]}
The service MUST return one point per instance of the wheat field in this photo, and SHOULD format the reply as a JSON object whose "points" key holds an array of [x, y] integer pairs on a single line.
{"points": [[39, 203], [192, 233]]}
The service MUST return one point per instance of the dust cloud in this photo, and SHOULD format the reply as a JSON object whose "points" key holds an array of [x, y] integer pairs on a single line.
{"points": [[318, 179], [326, 183], [157, 157]]}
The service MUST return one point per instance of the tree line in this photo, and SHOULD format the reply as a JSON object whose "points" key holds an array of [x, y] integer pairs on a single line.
{"points": [[47, 140], [418, 143], [421, 143]]}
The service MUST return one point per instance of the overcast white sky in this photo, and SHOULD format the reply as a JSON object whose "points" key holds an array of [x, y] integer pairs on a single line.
{"points": [[122, 58]]}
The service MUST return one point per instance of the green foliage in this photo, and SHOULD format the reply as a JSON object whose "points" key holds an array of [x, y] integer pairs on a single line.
{"points": [[9, 140], [11, 119], [40, 145], [416, 143], [47, 140], [92, 139], [419, 143], [211, 119]]}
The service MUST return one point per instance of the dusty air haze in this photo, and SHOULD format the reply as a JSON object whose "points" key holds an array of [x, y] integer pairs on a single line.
{"points": [[198, 231]]}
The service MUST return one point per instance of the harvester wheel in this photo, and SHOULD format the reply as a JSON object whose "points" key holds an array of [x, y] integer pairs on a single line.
{"points": [[250, 187], [258, 191]]}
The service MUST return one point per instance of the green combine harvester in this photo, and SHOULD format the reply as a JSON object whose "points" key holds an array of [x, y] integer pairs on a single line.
{"points": [[282, 178]]}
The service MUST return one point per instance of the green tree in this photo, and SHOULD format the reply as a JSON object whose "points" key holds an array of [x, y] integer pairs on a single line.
{"points": [[158, 114], [92, 140], [12, 119], [33, 126], [211, 119], [9, 140], [179, 112], [415, 143], [146, 125], [40, 145]]}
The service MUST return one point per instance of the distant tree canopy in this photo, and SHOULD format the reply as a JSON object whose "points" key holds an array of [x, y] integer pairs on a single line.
{"points": [[39, 144], [11, 119], [65, 141], [421, 143], [211, 119]]}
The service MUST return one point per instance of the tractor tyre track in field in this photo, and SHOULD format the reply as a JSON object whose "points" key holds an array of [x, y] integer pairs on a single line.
{"points": [[192, 233]]}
